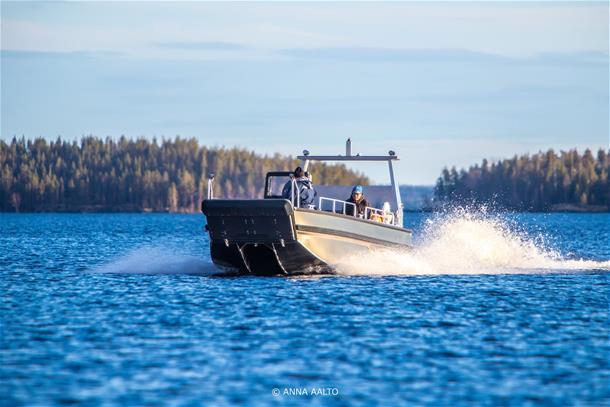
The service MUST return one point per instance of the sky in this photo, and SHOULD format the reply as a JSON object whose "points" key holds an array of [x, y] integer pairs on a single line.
{"points": [[440, 83]]}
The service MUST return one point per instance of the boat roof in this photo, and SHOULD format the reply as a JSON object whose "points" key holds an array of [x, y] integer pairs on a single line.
{"points": [[348, 156], [356, 157]]}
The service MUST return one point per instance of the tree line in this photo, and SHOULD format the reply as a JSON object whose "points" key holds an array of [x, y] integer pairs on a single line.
{"points": [[95, 174], [539, 182]]}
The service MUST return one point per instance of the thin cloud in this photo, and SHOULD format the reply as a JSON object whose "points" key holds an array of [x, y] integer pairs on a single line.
{"points": [[202, 46], [27, 54], [376, 54], [387, 54]]}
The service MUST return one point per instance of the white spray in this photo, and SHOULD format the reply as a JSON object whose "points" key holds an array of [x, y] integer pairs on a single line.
{"points": [[157, 260], [467, 243]]}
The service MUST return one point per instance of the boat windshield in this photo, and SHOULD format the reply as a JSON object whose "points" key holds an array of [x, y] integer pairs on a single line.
{"points": [[274, 183]]}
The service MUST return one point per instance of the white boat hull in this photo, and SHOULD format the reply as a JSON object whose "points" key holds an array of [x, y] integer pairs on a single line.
{"points": [[332, 237]]}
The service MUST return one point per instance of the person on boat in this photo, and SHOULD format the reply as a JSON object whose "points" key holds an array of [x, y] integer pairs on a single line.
{"points": [[305, 191], [359, 201]]}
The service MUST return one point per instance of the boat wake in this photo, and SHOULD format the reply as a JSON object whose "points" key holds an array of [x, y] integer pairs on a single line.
{"points": [[467, 243], [156, 260]]}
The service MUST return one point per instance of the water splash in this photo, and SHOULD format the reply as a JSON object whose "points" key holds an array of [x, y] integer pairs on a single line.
{"points": [[464, 242], [156, 260]]}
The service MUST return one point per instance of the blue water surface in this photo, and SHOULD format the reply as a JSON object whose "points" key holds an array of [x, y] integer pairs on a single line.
{"points": [[126, 310]]}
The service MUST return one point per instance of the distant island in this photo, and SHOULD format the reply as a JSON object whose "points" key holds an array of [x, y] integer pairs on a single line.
{"points": [[546, 181], [104, 175]]}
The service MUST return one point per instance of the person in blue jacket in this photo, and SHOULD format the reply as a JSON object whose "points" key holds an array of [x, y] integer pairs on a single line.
{"points": [[305, 192]]}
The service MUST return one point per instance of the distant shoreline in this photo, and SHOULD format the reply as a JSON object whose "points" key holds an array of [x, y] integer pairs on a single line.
{"points": [[562, 208], [558, 208]]}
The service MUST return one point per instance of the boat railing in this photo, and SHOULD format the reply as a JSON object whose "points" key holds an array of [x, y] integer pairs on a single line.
{"points": [[293, 190], [211, 185], [336, 202], [340, 206]]}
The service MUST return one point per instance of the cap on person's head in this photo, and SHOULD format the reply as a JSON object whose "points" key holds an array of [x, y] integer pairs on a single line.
{"points": [[298, 172], [357, 189]]}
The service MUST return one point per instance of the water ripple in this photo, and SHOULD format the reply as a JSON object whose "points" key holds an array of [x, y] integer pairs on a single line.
{"points": [[93, 316]]}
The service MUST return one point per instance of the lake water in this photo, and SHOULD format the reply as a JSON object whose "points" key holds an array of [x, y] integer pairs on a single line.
{"points": [[126, 310]]}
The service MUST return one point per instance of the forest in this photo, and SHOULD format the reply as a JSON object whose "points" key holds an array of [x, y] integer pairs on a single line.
{"points": [[141, 175], [545, 181]]}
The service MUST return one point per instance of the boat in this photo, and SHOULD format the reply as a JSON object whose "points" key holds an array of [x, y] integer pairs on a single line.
{"points": [[278, 236]]}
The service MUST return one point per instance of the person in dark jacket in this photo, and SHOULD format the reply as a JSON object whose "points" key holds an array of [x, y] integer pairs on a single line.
{"points": [[305, 192], [358, 199]]}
